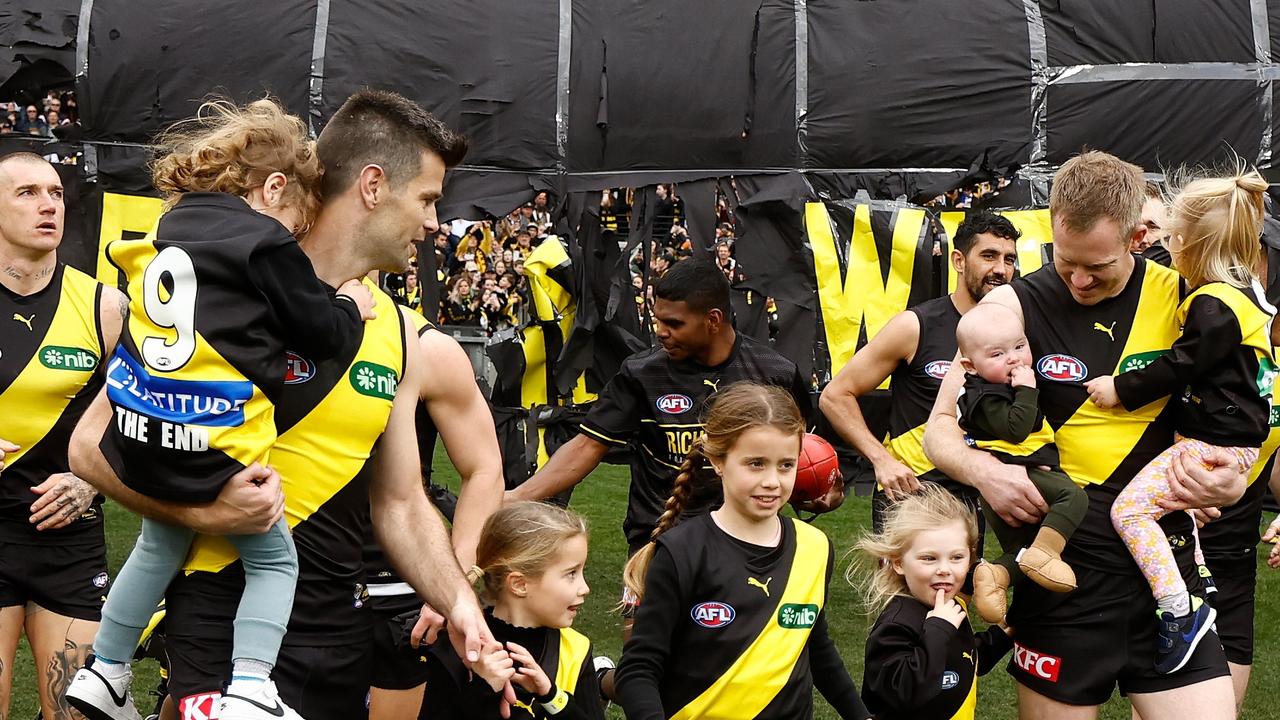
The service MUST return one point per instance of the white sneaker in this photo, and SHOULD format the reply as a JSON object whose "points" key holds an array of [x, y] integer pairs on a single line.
{"points": [[262, 704], [98, 698]]}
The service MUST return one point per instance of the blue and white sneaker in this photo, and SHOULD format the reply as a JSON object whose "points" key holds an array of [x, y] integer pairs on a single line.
{"points": [[1178, 637], [98, 698]]}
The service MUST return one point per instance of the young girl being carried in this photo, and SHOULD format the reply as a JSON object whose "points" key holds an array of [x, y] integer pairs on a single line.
{"points": [[530, 559], [732, 619], [923, 658], [1220, 374]]}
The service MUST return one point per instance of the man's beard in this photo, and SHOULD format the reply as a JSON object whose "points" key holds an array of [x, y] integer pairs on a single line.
{"points": [[979, 287]]}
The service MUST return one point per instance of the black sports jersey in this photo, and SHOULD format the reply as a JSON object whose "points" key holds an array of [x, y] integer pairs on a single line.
{"points": [[382, 580], [657, 404], [330, 418], [1102, 449], [564, 654], [1158, 253], [1224, 360], [50, 352], [915, 385], [922, 668], [1006, 422], [727, 629], [215, 298]]}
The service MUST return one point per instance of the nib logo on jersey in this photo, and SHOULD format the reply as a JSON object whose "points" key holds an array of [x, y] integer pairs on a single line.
{"points": [[58, 357], [374, 380], [794, 616], [172, 413]]}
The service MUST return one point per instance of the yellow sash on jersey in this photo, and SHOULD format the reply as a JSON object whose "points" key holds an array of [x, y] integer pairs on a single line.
{"points": [[1094, 442], [62, 365], [324, 451], [574, 647], [762, 670], [1034, 442], [1272, 443], [246, 442], [908, 449]]}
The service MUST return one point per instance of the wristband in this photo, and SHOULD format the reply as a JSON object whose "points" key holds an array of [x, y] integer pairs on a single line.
{"points": [[554, 701]]}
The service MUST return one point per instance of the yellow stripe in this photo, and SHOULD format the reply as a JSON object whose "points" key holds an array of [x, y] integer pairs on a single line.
{"points": [[764, 668], [574, 647], [122, 213], [1272, 443], [602, 436], [1093, 442], [968, 710], [908, 449], [1255, 324], [1034, 442]]}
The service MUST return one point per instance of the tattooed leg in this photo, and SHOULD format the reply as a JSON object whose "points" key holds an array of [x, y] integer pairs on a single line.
{"points": [[11, 620], [60, 645]]}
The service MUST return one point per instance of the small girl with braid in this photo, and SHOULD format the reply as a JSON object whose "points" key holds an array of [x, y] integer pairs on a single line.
{"points": [[732, 619], [1219, 373]]}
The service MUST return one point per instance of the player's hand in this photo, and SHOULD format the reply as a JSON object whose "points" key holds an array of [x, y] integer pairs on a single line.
{"points": [[1204, 516], [250, 503], [1022, 376], [897, 479], [6, 447], [1102, 392], [529, 675], [1212, 480], [1011, 494], [360, 295], [63, 498], [948, 610], [825, 504], [1272, 535], [428, 627]]}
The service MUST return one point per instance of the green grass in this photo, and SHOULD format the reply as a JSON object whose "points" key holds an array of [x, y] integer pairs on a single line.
{"points": [[603, 497]]}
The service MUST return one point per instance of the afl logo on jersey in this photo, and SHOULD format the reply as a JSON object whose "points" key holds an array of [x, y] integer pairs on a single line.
{"points": [[713, 614], [950, 679], [1061, 368], [297, 369], [937, 369], [674, 404]]}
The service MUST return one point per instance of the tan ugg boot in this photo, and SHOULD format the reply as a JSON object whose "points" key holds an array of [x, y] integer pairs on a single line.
{"points": [[990, 591], [1043, 563]]}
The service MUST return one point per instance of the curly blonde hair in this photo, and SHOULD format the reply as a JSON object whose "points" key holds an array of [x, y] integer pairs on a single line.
{"points": [[233, 149], [930, 508]]}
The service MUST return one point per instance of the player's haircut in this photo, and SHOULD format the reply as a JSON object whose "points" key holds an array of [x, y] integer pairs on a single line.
{"points": [[523, 537], [1154, 192], [983, 221], [22, 156], [930, 508], [383, 128], [233, 149], [734, 410], [1216, 223], [1095, 185], [697, 283]]}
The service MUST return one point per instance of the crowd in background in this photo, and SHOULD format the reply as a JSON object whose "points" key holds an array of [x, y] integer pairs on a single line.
{"points": [[56, 115]]}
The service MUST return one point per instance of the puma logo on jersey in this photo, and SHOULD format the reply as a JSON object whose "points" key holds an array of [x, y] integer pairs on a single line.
{"points": [[25, 321], [967, 656], [713, 384], [1108, 330], [762, 585]]}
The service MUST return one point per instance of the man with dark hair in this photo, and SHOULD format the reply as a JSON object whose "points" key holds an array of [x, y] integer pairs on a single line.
{"points": [[346, 446], [656, 401], [915, 348]]}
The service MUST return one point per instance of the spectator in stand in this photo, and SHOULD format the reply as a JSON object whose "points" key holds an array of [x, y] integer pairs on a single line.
{"points": [[727, 263], [661, 263], [31, 123], [670, 210], [542, 209], [461, 306]]}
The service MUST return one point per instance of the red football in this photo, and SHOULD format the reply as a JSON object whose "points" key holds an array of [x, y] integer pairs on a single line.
{"points": [[818, 469]]}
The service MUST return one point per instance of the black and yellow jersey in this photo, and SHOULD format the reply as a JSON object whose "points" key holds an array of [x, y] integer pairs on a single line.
{"points": [[216, 296], [1006, 422], [727, 629], [922, 668], [564, 654], [1223, 359], [330, 417], [1102, 450], [50, 353], [382, 580], [656, 405], [915, 384]]}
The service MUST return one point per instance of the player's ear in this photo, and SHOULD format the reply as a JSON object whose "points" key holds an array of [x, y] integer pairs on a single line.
{"points": [[371, 184], [715, 319], [518, 584], [957, 261]]}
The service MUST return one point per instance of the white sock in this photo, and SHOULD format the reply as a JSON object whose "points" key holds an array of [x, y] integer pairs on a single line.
{"points": [[247, 676], [1176, 605], [110, 669]]}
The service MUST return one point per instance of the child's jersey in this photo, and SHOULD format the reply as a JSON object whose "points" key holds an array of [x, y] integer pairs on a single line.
{"points": [[215, 297], [926, 668], [1006, 422], [1222, 365], [727, 629], [564, 654]]}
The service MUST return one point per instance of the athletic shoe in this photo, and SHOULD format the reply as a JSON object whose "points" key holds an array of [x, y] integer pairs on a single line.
{"points": [[602, 664], [98, 698], [1048, 571], [1178, 636], [990, 591], [1206, 582], [262, 704]]}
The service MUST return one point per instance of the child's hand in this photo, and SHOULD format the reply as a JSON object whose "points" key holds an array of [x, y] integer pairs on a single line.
{"points": [[948, 610], [1102, 391], [495, 665], [355, 291], [1022, 376], [530, 675], [1272, 535]]}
